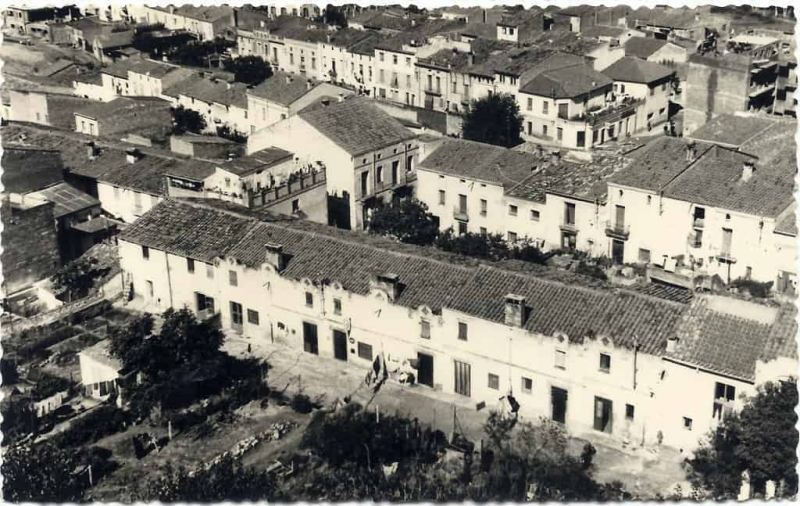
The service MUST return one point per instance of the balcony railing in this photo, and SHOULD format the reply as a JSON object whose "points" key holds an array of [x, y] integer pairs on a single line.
{"points": [[726, 257], [460, 214], [617, 230], [569, 227], [699, 223]]}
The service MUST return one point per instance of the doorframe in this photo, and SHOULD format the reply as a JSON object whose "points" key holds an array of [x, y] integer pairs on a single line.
{"points": [[566, 403], [333, 338], [433, 368]]}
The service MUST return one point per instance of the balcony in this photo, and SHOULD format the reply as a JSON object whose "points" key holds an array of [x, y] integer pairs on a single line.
{"points": [[725, 257], [694, 241], [460, 214], [433, 91], [757, 90], [699, 223], [617, 230], [569, 227]]}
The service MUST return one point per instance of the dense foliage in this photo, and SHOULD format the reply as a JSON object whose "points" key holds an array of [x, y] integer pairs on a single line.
{"points": [[227, 132], [490, 247], [250, 70], [333, 16], [407, 221], [761, 440], [186, 120], [78, 277], [41, 473], [495, 119], [198, 54]]}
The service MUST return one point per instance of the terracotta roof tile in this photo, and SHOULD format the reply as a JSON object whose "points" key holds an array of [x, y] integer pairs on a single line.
{"points": [[27, 170], [67, 199], [643, 47], [635, 70]]}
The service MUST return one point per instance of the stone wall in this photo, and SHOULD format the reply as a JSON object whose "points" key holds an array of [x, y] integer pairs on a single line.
{"points": [[30, 245], [714, 86]]}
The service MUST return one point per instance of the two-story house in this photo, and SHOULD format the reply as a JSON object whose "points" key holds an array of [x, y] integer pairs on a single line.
{"points": [[369, 156], [644, 80]]}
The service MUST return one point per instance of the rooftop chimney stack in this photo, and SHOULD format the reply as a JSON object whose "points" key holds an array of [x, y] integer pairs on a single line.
{"points": [[748, 168], [672, 343], [471, 59], [388, 283], [309, 84], [555, 157], [275, 256], [341, 97], [691, 152], [288, 79], [132, 156], [91, 150], [515, 310]]}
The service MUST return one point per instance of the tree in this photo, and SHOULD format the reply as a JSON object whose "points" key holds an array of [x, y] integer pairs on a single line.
{"points": [[226, 481], [41, 473], [182, 340], [227, 132], [334, 16], [186, 120], [494, 120], [77, 277], [409, 222], [762, 440], [250, 70]]}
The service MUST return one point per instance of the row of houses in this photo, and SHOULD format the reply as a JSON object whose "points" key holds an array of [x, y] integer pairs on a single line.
{"points": [[597, 359], [718, 204]]}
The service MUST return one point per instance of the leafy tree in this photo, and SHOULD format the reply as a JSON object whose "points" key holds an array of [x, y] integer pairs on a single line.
{"points": [[762, 440], [409, 222], [495, 119], [77, 277], [19, 419], [490, 247], [226, 481], [186, 120], [41, 473], [227, 132], [182, 340], [8, 370], [249, 69], [334, 16], [199, 54]]}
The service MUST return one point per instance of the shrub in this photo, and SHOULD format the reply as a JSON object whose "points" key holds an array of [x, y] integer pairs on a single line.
{"points": [[103, 421], [301, 403], [754, 288], [587, 455], [594, 271]]}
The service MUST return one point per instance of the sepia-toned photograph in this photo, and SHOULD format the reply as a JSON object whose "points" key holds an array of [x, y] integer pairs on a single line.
{"points": [[398, 253]]}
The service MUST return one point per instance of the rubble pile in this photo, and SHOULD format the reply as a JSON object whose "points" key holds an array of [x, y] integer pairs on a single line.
{"points": [[275, 432]]}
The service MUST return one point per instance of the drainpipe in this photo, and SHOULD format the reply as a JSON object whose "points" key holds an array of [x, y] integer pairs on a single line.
{"points": [[169, 278], [635, 359]]}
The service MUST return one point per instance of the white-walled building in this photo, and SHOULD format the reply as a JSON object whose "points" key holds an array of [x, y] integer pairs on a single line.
{"points": [[646, 81], [219, 102], [633, 366], [368, 155], [205, 21]]}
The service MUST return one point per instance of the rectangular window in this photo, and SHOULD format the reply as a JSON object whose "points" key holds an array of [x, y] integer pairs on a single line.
{"points": [[512, 237], [644, 256], [463, 378], [527, 385], [605, 362], [425, 329], [337, 306], [441, 197], [561, 359], [309, 299], [190, 265], [395, 171], [209, 271], [379, 174], [652, 91], [494, 381], [462, 331], [484, 207], [233, 278], [145, 252], [544, 130], [236, 313], [252, 317], [535, 215], [462, 228], [150, 290], [364, 184], [484, 232], [530, 103], [295, 206], [629, 410], [559, 134], [687, 423], [545, 109], [569, 214], [512, 210], [365, 351]]}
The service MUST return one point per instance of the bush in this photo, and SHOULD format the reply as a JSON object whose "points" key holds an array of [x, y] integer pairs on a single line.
{"points": [[49, 384], [301, 403], [594, 271], [587, 455], [103, 421], [754, 288]]}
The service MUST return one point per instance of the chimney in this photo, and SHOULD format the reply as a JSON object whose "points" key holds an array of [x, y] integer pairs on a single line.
{"points": [[275, 256], [672, 343], [288, 79], [172, 9], [691, 152], [748, 168], [555, 157], [309, 84], [388, 283], [263, 23], [328, 38], [132, 156], [471, 59], [341, 97], [515, 310]]}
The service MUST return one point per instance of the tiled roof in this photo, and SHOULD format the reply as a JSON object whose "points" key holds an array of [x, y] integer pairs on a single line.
{"points": [[731, 129], [283, 88], [665, 291], [128, 114], [716, 180], [643, 47], [116, 39], [481, 162], [567, 82], [357, 126], [27, 170], [147, 67], [101, 353], [259, 160], [655, 164], [782, 341], [206, 13], [787, 225], [603, 31], [721, 343], [210, 91], [636, 70], [482, 50], [324, 254], [67, 199]]}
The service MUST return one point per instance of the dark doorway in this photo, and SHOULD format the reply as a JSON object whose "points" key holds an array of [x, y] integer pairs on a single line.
{"points": [[603, 419], [339, 345], [618, 251], [310, 341], [425, 369], [559, 401]]}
